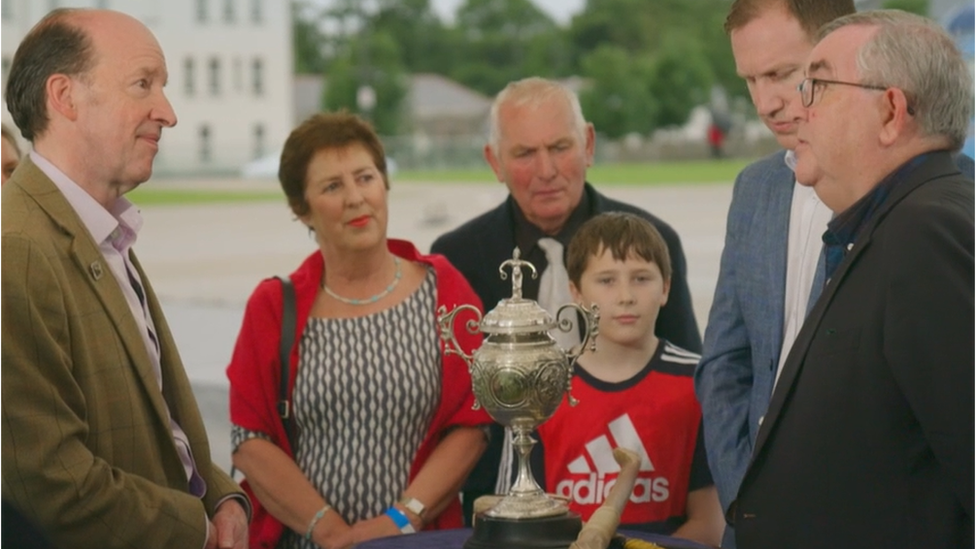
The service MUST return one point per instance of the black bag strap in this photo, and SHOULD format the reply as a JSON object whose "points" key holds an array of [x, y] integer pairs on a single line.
{"points": [[288, 318]]}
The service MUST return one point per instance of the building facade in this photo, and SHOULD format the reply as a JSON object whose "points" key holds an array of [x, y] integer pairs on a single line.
{"points": [[230, 74]]}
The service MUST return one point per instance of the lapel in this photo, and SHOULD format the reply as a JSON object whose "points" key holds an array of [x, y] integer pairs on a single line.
{"points": [[97, 276], [940, 164], [774, 222]]}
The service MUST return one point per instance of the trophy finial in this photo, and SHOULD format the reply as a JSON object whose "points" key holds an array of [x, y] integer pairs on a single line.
{"points": [[516, 264]]}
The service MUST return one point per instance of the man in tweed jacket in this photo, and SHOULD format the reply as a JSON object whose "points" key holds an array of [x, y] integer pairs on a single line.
{"points": [[103, 443]]}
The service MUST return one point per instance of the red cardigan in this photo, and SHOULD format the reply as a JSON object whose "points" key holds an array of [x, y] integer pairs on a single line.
{"points": [[254, 371]]}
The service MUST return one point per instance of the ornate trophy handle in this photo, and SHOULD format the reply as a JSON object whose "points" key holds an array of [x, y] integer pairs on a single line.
{"points": [[591, 329], [516, 264], [445, 322]]}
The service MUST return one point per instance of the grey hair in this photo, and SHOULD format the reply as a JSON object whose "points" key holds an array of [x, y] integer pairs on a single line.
{"points": [[914, 54], [532, 91]]}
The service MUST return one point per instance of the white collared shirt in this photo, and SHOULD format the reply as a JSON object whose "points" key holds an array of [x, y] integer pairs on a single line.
{"points": [[808, 221]]}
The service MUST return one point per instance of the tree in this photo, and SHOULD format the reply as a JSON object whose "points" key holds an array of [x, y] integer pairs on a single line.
{"points": [[307, 40], [500, 41], [618, 101], [371, 61], [918, 7], [646, 30], [680, 79], [425, 43]]}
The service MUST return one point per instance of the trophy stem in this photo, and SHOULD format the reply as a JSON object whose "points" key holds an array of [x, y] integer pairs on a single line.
{"points": [[526, 499], [525, 484]]}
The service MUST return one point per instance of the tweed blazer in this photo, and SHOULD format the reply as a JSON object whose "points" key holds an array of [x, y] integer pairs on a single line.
{"points": [[88, 454]]}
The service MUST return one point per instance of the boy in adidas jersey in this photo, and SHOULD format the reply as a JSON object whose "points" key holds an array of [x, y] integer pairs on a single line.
{"points": [[634, 391]]}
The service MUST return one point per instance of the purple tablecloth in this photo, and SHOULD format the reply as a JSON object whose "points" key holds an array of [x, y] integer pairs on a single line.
{"points": [[454, 539]]}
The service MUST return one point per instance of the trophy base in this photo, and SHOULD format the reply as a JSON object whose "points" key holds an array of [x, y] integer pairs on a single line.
{"points": [[556, 532]]}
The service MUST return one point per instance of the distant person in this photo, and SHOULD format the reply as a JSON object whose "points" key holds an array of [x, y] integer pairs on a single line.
{"points": [[385, 430], [11, 154], [103, 444], [540, 147], [869, 439], [635, 390], [716, 138]]}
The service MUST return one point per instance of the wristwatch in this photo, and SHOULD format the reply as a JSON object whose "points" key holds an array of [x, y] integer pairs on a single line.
{"points": [[414, 505]]}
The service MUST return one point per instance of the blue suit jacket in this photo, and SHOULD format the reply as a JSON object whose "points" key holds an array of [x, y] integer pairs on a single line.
{"points": [[744, 334], [745, 326]]}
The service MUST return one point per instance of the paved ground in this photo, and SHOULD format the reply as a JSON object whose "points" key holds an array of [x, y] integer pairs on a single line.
{"points": [[205, 260]]}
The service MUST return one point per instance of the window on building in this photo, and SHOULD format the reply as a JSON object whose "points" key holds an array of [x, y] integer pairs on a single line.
{"points": [[229, 11], [206, 145], [259, 149], [214, 76], [202, 11], [257, 11], [189, 78], [257, 68]]}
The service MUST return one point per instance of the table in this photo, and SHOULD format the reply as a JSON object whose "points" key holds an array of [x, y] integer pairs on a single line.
{"points": [[454, 539]]}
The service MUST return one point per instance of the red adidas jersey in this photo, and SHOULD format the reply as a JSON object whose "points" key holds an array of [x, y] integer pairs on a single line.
{"points": [[655, 414]]}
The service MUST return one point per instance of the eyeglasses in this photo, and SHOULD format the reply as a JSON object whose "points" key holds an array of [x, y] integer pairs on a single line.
{"points": [[808, 87]]}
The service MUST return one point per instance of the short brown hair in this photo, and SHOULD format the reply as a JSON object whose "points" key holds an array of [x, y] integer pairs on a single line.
{"points": [[811, 14], [621, 233], [53, 46], [337, 130]]}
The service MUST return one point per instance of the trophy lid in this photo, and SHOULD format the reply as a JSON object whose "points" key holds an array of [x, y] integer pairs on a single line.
{"points": [[517, 314]]}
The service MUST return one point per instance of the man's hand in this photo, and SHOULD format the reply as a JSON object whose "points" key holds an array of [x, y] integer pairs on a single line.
{"points": [[230, 526]]}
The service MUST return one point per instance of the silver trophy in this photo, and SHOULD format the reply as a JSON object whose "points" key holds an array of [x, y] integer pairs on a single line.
{"points": [[519, 375]]}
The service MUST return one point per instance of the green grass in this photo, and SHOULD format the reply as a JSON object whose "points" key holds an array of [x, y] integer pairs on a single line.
{"points": [[645, 173]]}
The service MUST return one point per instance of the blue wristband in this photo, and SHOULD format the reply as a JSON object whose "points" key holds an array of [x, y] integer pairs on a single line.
{"points": [[401, 520]]}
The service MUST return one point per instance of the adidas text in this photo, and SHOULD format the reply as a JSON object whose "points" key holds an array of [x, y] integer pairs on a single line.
{"points": [[594, 489]]}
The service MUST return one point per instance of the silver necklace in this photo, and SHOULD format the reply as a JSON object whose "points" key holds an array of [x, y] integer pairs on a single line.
{"points": [[372, 299]]}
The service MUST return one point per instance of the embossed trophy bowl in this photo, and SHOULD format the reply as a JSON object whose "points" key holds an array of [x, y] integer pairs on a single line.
{"points": [[520, 376]]}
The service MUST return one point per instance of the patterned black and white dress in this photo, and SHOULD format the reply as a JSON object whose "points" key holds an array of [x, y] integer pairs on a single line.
{"points": [[365, 393]]}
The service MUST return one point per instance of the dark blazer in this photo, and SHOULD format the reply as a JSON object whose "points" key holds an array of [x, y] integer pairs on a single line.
{"points": [[478, 247], [868, 440], [88, 455]]}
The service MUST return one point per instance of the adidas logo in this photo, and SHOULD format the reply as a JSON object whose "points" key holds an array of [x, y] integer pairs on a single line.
{"points": [[600, 469]]}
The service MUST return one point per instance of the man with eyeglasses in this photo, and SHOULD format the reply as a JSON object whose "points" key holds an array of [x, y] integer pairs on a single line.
{"points": [[772, 268], [869, 439]]}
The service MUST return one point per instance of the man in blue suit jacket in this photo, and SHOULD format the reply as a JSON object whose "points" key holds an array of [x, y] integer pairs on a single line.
{"points": [[770, 272], [772, 242]]}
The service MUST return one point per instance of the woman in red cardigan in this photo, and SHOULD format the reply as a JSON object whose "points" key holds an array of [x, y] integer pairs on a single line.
{"points": [[385, 433]]}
